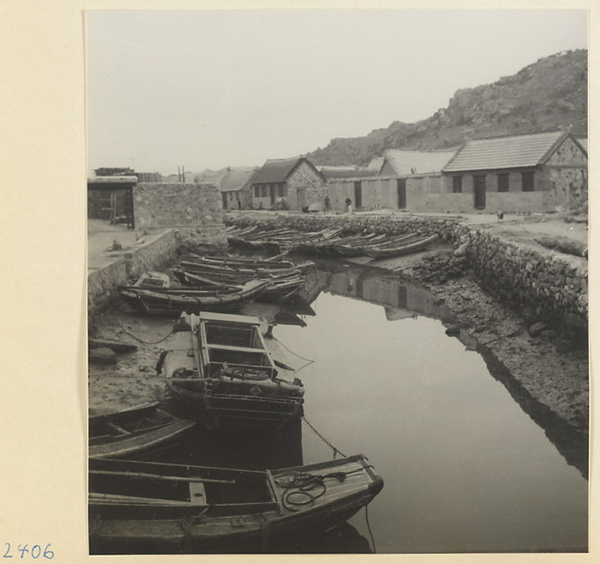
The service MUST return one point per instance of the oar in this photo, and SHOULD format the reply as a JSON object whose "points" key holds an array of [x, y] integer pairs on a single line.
{"points": [[161, 477]]}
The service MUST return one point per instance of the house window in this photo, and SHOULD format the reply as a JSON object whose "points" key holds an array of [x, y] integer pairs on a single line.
{"points": [[457, 184], [503, 183], [256, 191], [282, 191], [527, 182], [263, 191]]}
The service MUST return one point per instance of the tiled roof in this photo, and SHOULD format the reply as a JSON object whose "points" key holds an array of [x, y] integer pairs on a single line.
{"points": [[346, 172], [415, 162], [277, 170], [583, 142], [235, 179], [505, 152], [375, 164]]}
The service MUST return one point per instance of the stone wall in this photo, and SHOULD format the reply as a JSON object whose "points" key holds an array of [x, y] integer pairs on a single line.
{"points": [[160, 250], [177, 205], [305, 188], [544, 285]]}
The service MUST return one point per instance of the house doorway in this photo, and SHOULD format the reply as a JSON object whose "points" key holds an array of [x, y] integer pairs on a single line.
{"points": [[479, 192], [358, 194], [401, 187]]}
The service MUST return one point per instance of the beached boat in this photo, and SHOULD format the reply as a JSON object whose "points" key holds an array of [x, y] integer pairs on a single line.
{"points": [[134, 430], [355, 247], [281, 289], [147, 507], [232, 370], [173, 301], [408, 246]]}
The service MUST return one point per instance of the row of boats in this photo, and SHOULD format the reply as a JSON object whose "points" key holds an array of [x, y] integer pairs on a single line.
{"points": [[228, 372], [331, 242], [222, 283], [224, 371]]}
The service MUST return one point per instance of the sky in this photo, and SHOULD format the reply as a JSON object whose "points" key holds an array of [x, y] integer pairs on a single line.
{"points": [[207, 89]]}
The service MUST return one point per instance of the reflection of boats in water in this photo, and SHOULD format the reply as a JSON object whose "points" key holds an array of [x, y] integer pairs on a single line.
{"points": [[343, 539]]}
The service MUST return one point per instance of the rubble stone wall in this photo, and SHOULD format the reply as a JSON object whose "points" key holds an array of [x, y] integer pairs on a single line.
{"points": [[128, 266], [177, 205]]}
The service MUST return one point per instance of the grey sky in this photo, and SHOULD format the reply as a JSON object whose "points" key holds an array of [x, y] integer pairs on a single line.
{"points": [[208, 89]]}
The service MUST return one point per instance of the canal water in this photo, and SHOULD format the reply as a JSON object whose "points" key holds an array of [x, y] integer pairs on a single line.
{"points": [[466, 469]]}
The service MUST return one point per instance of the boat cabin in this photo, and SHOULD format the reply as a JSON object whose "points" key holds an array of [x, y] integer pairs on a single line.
{"points": [[235, 341]]}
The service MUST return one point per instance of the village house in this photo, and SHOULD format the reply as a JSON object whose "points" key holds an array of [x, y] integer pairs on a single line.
{"points": [[527, 173], [234, 186], [540, 172], [293, 184], [396, 172]]}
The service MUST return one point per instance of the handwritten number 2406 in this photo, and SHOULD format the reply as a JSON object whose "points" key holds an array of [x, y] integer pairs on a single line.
{"points": [[35, 552]]}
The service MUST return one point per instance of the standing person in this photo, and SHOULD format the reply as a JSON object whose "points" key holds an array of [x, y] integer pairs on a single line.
{"points": [[327, 204], [348, 205]]}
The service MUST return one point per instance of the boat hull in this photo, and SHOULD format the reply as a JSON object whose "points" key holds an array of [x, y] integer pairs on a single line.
{"points": [[347, 484], [134, 431]]}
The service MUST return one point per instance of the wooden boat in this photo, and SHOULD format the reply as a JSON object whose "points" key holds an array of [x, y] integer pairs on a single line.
{"points": [[153, 280], [134, 430], [173, 301], [147, 507], [356, 247], [253, 265], [409, 246], [232, 370], [281, 289]]}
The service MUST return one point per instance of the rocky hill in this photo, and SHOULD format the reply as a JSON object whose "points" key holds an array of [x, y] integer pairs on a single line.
{"points": [[547, 95]]}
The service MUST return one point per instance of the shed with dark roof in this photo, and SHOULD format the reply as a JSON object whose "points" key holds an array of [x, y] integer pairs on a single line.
{"points": [[287, 183], [525, 173]]}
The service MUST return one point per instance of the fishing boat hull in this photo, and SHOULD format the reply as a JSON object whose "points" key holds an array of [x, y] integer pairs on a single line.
{"points": [[233, 375], [411, 246], [170, 303], [135, 430], [251, 513]]}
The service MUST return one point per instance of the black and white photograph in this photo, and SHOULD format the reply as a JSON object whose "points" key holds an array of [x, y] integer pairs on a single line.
{"points": [[325, 291], [337, 281]]}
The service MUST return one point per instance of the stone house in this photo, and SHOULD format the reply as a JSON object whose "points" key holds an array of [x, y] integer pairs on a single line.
{"points": [[293, 184], [234, 185], [526, 173]]}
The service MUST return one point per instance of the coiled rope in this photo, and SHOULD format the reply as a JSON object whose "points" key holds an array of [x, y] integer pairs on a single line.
{"points": [[301, 489]]}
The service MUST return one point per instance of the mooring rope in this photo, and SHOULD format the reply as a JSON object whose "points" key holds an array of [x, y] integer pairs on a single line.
{"points": [[369, 528], [308, 360], [335, 450], [147, 342]]}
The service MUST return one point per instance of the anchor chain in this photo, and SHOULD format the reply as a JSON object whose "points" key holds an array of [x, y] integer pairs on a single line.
{"points": [[335, 450]]}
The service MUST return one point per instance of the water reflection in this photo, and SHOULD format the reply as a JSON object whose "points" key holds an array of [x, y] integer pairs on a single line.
{"points": [[400, 299], [466, 469]]}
